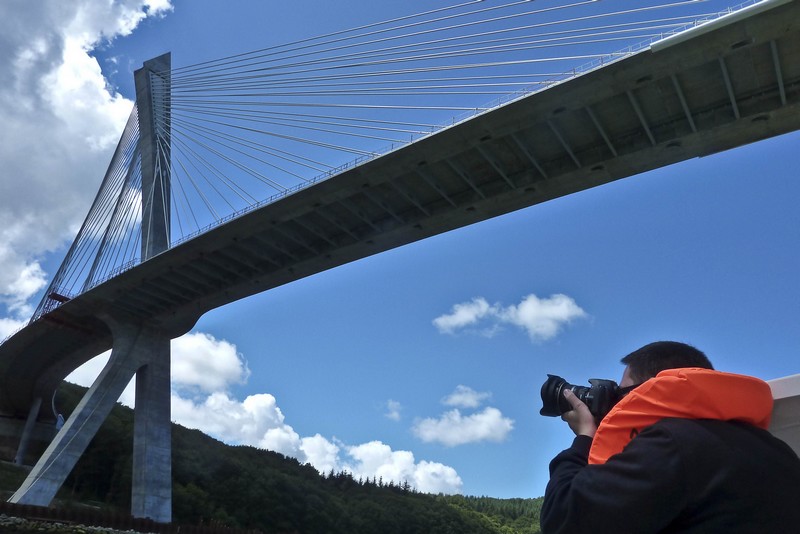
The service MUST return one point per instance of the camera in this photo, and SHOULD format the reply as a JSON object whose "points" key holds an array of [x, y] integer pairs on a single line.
{"points": [[600, 397]]}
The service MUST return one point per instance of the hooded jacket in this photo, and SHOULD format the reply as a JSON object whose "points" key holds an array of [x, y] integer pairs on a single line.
{"points": [[687, 451], [687, 393]]}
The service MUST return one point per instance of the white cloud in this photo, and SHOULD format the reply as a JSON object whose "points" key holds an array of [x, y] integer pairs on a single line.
{"points": [[463, 315], [200, 361], [20, 278], [30, 279], [433, 477], [226, 418], [453, 428], [465, 397], [321, 453], [258, 421], [86, 374], [60, 125], [376, 459], [9, 326], [282, 439], [379, 460], [205, 403], [541, 318], [393, 409]]}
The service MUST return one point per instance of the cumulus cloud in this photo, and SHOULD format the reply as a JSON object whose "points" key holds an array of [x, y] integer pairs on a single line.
{"points": [[30, 279], [201, 364], [465, 397], [61, 122], [453, 428], [8, 326], [206, 403], [321, 453], [259, 422], [541, 318], [376, 459], [200, 361], [255, 421], [432, 477], [393, 409], [463, 315]]}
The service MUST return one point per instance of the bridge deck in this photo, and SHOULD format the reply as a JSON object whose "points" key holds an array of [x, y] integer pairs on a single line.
{"points": [[717, 87]]}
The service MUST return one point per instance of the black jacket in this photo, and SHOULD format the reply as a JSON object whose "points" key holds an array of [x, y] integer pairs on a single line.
{"points": [[678, 475]]}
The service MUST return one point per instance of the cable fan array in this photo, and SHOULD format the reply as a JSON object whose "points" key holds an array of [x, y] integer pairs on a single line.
{"points": [[109, 239], [244, 130]]}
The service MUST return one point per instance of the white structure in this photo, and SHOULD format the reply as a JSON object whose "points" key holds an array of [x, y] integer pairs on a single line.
{"points": [[786, 413]]}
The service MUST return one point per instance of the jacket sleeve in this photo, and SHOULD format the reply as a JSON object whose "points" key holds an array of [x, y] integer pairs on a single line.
{"points": [[641, 489]]}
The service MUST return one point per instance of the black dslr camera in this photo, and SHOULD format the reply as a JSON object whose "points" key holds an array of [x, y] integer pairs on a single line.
{"points": [[600, 397]]}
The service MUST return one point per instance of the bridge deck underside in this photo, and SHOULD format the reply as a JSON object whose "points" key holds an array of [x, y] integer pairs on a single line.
{"points": [[713, 91]]}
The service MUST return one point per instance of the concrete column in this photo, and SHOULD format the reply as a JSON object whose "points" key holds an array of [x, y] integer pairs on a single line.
{"points": [[151, 495], [153, 102], [63, 453], [19, 458], [136, 349]]}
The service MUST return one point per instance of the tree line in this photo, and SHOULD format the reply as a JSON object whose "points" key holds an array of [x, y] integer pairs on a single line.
{"points": [[246, 487]]}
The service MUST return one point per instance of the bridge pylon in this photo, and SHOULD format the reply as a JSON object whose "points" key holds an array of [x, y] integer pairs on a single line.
{"points": [[138, 349]]}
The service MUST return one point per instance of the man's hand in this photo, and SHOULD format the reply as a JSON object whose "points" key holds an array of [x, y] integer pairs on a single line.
{"points": [[579, 419]]}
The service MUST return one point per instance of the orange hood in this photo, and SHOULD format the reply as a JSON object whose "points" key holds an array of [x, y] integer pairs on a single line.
{"points": [[686, 393]]}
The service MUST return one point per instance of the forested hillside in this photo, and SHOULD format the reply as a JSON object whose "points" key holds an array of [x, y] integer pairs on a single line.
{"points": [[252, 488]]}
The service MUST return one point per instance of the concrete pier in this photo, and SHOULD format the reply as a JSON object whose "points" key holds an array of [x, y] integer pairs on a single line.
{"points": [[151, 494], [135, 347], [138, 348]]}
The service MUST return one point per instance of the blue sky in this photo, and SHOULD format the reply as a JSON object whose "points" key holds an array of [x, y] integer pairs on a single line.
{"points": [[348, 368]]}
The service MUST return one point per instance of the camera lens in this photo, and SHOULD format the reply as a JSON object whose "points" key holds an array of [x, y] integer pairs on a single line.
{"points": [[553, 401], [600, 397]]}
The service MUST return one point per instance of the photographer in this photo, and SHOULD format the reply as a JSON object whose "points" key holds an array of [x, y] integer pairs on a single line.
{"points": [[686, 450]]}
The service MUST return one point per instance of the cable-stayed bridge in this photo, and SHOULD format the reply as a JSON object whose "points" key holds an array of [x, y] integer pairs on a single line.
{"points": [[209, 197]]}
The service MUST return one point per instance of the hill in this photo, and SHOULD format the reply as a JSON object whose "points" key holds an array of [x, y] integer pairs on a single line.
{"points": [[245, 487]]}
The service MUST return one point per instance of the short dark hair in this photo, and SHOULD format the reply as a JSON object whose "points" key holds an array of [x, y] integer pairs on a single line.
{"points": [[651, 359]]}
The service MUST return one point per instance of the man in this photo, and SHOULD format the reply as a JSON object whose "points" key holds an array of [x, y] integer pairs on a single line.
{"points": [[686, 450]]}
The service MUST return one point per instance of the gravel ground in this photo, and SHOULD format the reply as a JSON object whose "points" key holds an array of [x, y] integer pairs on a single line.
{"points": [[15, 525]]}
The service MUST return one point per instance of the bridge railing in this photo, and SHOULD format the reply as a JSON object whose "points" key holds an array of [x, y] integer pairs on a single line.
{"points": [[51, 304], [494, 104]]}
